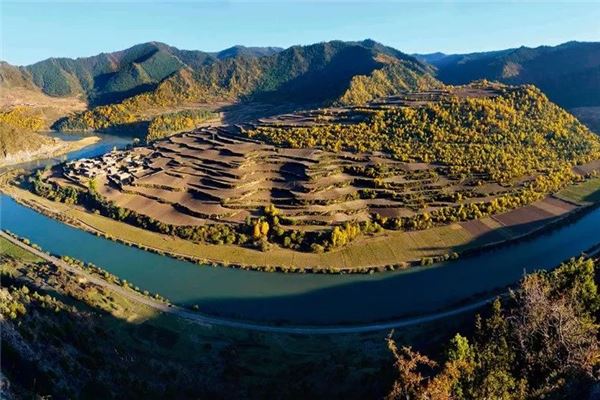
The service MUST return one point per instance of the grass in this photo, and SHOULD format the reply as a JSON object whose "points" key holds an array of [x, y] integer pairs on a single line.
{"points": [[391, 248], [9, 249], [588, 191]]}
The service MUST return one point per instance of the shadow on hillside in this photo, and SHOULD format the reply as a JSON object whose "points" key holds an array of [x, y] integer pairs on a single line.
{"points": [[325, 83], [307, 91], [89, 353], [505, 233], [117, 97], [137, 129], [249, 111], [86, 352]]}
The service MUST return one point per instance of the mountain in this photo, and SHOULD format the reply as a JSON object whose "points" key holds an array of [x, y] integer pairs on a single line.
{"points": [[111, 77], [322, 73], [15, 77], [237, 51], [17, 90], [569, 74]]}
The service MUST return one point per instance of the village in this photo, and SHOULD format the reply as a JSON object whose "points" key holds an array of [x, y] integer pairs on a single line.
{"points": [[119, 167]]}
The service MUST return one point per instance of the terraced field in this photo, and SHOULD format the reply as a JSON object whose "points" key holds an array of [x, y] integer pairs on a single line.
{"points": [[254, 185], [217, 174]]}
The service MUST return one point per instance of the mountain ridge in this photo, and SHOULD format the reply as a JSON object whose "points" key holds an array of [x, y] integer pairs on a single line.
{"points": [[110, 77], [155, 75], [568, 73], [318, 74]]}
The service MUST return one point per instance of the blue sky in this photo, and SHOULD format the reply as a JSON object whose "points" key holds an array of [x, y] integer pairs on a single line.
{"points": [[32, 31]]}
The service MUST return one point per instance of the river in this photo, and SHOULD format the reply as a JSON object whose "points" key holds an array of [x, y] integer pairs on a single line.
{"points": [[307, 298], [300, 298], [104, 145]]}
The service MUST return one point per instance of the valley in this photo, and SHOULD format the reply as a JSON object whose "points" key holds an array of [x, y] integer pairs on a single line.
{"points": [[318, 190], [251, 222]]}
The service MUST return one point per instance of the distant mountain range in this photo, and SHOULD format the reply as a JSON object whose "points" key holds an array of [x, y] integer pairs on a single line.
{"points": [[158, 76], [112, 77], [569, 74], [300, 73]]}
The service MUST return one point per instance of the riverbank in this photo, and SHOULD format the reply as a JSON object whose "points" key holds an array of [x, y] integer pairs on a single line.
{"points": [[207, 320], [113, 330], [309, 299], [56, 149], [392, 250]]}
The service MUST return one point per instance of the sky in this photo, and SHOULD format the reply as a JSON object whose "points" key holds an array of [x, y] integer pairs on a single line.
{"points": [[36, 30]]}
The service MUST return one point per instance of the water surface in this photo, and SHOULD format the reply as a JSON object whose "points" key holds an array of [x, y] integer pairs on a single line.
{"points": [[104, 145], [307, 298]]}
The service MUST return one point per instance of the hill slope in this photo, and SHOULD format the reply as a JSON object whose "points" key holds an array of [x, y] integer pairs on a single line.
{"points": [[110, 77], [323, 73], [569, 74]]}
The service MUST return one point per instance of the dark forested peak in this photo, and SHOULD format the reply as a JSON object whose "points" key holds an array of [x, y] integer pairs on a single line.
{"points": [[243, 51], [568, 73]]}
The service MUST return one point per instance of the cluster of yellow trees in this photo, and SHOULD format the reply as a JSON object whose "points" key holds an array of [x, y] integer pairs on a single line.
{"points": [[532, 191], [100, 118], [129, 113], [514, 134], [223, 81], [260, 229], [268, 229], [345, 234], [23, 118], [173, 91], [384, 82], [165, 124]]}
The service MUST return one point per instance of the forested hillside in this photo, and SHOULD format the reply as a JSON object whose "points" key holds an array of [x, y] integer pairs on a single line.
{"points": [[110, 77], [569, 74], [540, 343], [132, 86], [517, 133], [324, 73]]}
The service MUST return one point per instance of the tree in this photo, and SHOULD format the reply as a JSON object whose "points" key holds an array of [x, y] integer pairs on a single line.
{"points": [[544, 344], [264, 228], [410, 382], [92, 185]]}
